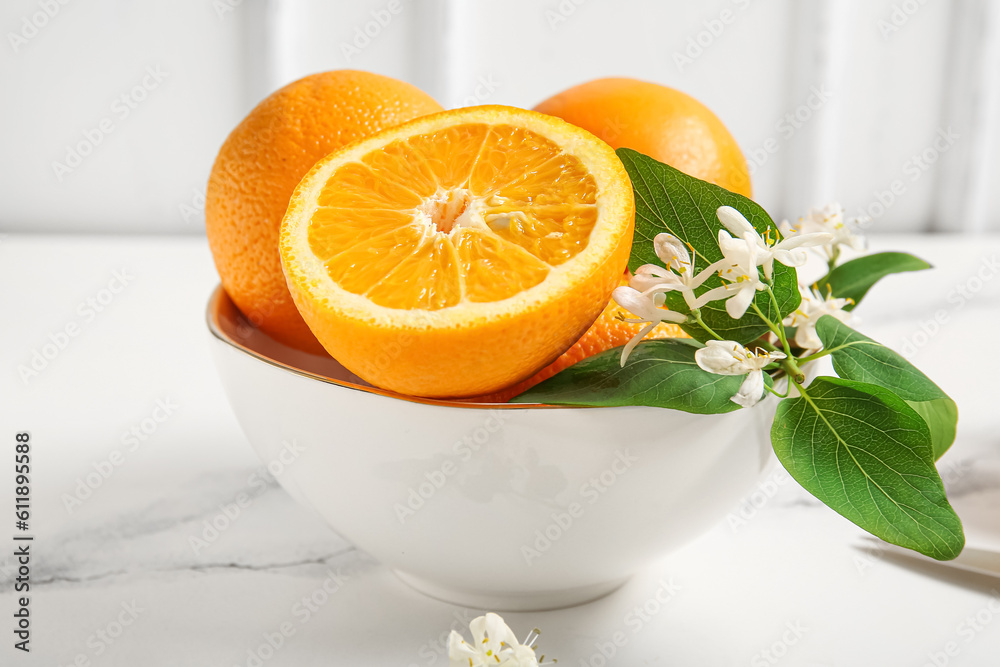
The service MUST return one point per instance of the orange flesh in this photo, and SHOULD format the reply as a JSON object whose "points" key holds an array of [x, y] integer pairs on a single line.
{"points": [[418, 224]]}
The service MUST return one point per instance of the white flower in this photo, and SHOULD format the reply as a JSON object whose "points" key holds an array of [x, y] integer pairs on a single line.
{"points": [[676, 275], [788, 251], [493, 645], [812, 308], [739, 267], [727, 357], [829, 219], [647, 309]]}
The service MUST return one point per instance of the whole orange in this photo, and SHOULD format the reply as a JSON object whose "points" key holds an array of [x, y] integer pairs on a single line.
{"points": [[661, 122], [263, 160]]}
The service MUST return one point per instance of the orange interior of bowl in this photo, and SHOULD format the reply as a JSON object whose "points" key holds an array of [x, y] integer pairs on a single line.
{"points": [[229, 325]]}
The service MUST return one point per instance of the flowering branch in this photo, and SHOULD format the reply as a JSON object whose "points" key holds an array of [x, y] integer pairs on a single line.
{"points": [[864, 442]]}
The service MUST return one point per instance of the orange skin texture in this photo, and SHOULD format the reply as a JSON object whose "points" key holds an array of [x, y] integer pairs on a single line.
{"points": [[607, 332], [661, 122], [261, 163]]}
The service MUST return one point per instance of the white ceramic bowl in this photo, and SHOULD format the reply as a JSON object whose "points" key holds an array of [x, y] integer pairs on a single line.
{"points": [[489, 506]]}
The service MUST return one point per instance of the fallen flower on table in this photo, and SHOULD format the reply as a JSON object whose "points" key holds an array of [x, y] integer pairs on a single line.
{"points": [[493, 644]]}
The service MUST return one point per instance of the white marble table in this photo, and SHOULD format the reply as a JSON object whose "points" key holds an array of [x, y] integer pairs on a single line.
{"points": [[117, 581]]}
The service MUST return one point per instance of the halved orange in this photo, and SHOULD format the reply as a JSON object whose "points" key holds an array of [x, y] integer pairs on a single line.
{"points": [[458, 253], [609, 330]]}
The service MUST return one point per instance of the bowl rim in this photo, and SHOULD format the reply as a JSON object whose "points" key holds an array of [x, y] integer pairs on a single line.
{"points": [[219, 296]]}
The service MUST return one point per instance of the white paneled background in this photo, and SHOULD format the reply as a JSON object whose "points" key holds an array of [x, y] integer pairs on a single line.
{"points": [[906, 93]]}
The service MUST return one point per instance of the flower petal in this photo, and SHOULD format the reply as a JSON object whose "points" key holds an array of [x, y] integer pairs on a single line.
{"points": [[768, 266], [806, 337], [478, 628], [644, 283], [705, 274], [751, 391], [499, 633], [738, 304], [804, 240], [523, 657], [633, 301], [671, 250], [645, 306], [787, 230], [647, 281], [793, 257], [635, 340], [461, 653], [714, 294], [734, 221], [722, 357]]}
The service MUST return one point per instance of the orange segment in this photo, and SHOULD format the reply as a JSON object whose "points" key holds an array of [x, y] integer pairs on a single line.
{"points": [[494, 269], [401, 164], [488, 238], [360, 267], [451, 170], [552, 232], [512, 154], [428, 279], [352, 226], [355, 185]]}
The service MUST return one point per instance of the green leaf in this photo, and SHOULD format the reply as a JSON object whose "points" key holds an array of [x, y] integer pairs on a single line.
{"points": [[865, 453], [659, 373], [668, 200], [853, 279], [857, 357], [941, 416]]}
